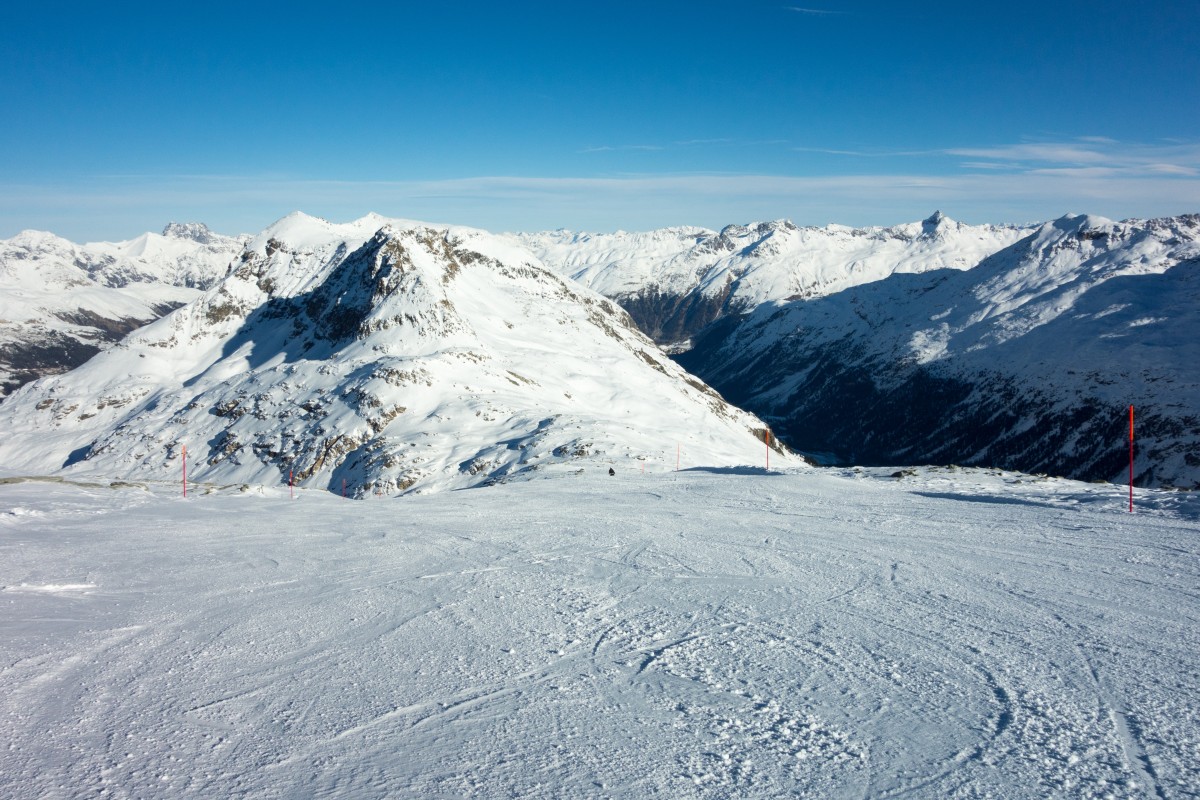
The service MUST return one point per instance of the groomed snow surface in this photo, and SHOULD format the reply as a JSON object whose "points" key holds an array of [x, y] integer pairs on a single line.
{"points": [[705, 633]]}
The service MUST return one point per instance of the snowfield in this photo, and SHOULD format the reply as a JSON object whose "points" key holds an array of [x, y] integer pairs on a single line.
{"points": [[705, 633]]}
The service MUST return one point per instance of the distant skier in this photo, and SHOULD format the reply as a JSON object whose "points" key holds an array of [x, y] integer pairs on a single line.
{"points": [[611, 471]]}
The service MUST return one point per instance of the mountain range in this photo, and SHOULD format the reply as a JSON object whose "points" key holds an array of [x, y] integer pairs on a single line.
{"points": [[64, 302], [930, 342], [379, 356], [676, 281], [1028, 360]]}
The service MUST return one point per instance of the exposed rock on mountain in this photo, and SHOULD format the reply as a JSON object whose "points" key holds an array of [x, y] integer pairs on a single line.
{"points": [[61, 303], [1028, 361], [393, 356]]}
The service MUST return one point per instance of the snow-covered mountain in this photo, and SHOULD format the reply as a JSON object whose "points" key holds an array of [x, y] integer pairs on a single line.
{"points": [[675, 281], [1029, 360], [388, 354], [61, 302]]}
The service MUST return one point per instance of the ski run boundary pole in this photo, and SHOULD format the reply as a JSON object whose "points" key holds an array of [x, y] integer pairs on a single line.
{"points": [[1131, 459]]}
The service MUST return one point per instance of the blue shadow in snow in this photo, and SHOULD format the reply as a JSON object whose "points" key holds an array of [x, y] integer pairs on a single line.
{"points": [[986, 498], [734, 471]]}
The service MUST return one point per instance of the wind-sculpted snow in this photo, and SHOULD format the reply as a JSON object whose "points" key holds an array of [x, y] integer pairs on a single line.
{"points": [[676, 281], [378, 356], [1028, 361], [700, 634]]}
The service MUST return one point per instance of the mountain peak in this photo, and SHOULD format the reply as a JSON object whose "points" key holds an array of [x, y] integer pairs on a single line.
{"points": [[403, 359], [1080, 222], [192, 231], [935, 220]]}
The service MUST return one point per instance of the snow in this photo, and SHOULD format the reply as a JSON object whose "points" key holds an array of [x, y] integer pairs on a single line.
{"points": [[764, 261], [705, 633], [1082, 314], [57, 296], [379, 353], [721, 631]]}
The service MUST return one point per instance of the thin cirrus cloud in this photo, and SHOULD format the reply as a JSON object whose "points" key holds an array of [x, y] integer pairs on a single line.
{"points": [[1034, 152], [719, 141], [1085, 155], [1093, 155], [877, 154], [126, 207], [605, 148], [1022, 182], [694, 142]]}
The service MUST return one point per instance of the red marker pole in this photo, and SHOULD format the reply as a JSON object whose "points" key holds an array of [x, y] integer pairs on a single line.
{"points": [[767, 439], [291, 491], [185, 470], [1131, 459], [343, 487]]}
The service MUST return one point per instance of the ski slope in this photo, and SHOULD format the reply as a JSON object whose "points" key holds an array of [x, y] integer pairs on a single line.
{"points": [[695, 634]]}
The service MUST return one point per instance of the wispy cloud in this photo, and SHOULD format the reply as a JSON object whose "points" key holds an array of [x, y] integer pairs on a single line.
{"points": [[829, 151], [816, 12], [122, 208], [866, 153], [698, 142], [988, 165], [1046, 151], [1094, 155], [1018, 182], [605, 148], [1097, 154], [1173, 169]]}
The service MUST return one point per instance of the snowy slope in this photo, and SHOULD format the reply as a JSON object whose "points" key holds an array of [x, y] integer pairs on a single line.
{"points": [[675, 281], [385, 354], [1028, 361], [61, 302], [956, 634], [186, 254]]}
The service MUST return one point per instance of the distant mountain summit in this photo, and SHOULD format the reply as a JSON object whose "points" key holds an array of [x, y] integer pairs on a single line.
{"points": [[385, 354], [194, 231]]}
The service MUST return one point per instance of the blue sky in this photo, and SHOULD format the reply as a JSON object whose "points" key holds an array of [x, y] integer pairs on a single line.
{"points": [[530, 115]]}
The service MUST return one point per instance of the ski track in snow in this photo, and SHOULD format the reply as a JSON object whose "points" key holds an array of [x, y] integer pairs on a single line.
{"points": [[698, 634]]}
